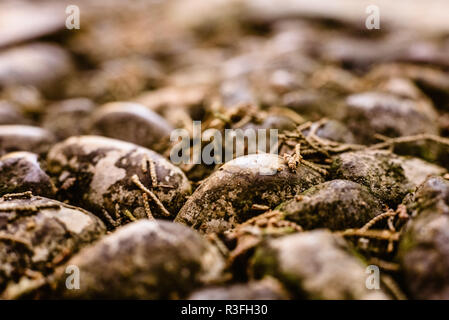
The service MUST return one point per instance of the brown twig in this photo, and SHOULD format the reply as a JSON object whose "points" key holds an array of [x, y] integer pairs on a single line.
{"points": [[155, 199]]}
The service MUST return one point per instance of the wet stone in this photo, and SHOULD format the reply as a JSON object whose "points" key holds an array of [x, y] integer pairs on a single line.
{"points": [[417, 170], [401, 87], [24, 138], [426, 149], [430, 80], [424, 250], [226, 198], [10, 114], [144, 260], [265, 289], [334, 130], [245, 237], [38, 64], [380, 171], [237, 91], [373, 113], [131, 122], [42, 19], [98, 173], [273, 121], [424, 257], [432, 195], [28, 100], [311, 103], [21, 171], [190, 98], [116, 79], [336, 205], [68, 118], [38, 234], [314, 265]]}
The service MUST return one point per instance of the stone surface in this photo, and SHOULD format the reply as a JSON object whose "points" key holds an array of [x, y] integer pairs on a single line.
{"points": [[41, 65], [97, 173], [374, 112], [266, 289], [334, 130], [68, 117], [226, 197], [424, 250], [10, 114], [38, 234], [417, 170], [131, 122], [336, 205], [24, 138], [380, 171], [144, 260], [21, 171], [314, 265]]}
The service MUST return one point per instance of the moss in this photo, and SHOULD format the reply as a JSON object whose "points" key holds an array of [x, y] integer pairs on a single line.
{"points": [[336, 204], [380, 171]]}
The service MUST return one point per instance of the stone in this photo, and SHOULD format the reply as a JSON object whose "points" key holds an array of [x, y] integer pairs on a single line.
{"points": [[68, 117], [98, 173], [226, 197], [24, 138], [334, 130], [265, 289], [42, 65], [335, 204], [423, 249], [417, 170], [380, 171], [21, 172], [36, 235], [314, 265], [371, 113], [10, 114], [131, 122], [144, 260]]}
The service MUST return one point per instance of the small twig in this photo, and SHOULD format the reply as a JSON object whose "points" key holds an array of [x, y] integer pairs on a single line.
{"points": [[313, 145], [20, 195], [13, 207], [373, 234], [147, 206], [129, 215], [153, 173], [219, 244], [144, 164], [393, 287], [245, 120], [407, 139], [390, 224], [385, 265], [314, 166], [304, 126], [260, 207], [155, 199], [402, 212], [108, 218], [373, 221]]}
